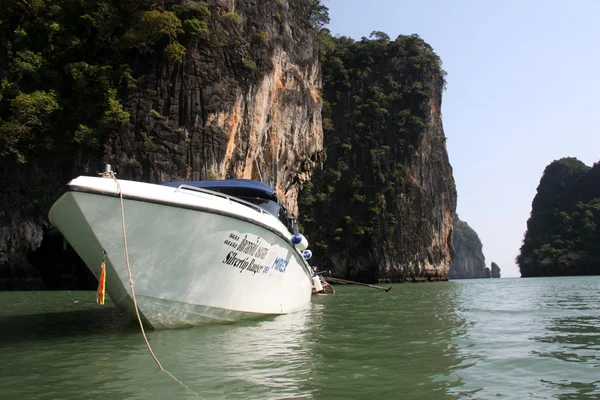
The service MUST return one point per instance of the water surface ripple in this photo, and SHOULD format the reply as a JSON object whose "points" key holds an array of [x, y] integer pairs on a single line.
{"points": [[476, 339]]}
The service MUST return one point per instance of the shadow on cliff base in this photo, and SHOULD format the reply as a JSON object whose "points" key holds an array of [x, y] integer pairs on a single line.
{"points": [[54, 266]]}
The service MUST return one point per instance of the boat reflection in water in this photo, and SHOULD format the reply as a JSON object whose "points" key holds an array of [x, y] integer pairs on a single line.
{"points": [[272, 358]]}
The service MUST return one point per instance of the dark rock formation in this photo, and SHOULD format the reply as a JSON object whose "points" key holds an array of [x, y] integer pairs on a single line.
{"points": [[562, 235], [382, 205], [243, 101], [495, 270], [469, 261]]}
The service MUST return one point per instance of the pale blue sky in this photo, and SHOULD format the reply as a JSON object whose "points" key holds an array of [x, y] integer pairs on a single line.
{"points": [[523, 90]]}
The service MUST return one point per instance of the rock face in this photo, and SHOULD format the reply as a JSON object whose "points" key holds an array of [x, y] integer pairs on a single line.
{"points": [[495, 270], [382, 205], [469, 261], [248, 112], [562, 236], [242, 102]]}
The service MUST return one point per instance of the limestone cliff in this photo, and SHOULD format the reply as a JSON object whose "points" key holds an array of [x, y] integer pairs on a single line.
{"points": [[233, 91], [562, 236], [250, 111], [382, 205], [495, 270], [469, 261]]}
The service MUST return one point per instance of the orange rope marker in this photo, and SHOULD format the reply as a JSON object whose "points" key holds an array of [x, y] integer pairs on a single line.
{"points": [[102, 280]]}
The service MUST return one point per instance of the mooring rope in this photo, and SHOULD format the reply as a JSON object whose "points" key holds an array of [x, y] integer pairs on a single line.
{"points": [[137, 313]]}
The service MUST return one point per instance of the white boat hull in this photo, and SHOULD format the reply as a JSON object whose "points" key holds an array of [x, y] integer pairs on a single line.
{"points": [[194, 258]]}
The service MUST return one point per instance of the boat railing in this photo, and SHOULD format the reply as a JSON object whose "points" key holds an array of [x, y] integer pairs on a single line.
{"points": [[223, 195]]}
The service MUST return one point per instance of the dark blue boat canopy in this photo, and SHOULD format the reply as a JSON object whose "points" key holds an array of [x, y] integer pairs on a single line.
{"points": [[233, 187], [252, 191]]}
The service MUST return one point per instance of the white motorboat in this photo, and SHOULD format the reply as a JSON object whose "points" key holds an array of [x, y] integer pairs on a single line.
{"points": [[198, 252]]}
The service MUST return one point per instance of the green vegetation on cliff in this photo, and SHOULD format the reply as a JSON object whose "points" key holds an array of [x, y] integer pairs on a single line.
{"points": [[155, 88], [162, 89], [68, 66], [366, 211], [563, 235]]}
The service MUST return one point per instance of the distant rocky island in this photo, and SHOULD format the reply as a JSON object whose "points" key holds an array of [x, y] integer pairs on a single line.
{"points": [[496, 272], [469, 261], [563, 235]]}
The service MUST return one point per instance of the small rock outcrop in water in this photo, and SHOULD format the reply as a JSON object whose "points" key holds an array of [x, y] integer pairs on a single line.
{"points": [[178, 90], [495, 270], [469, 261], [382, 205], [563, 235]]}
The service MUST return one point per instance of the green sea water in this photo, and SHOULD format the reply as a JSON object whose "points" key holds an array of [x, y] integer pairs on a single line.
{"points": [[476, 339]]}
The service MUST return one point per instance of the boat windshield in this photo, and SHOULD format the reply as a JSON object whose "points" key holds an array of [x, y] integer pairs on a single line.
{"points": [[267, 205], [274, 208], [254, 192]]}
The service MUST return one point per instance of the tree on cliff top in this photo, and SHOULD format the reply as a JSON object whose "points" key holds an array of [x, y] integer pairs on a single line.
{"points": [[317, 14], [562, 236]]}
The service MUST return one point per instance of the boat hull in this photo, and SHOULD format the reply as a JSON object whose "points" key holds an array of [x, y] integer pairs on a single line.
{"points": [[191, 263]]}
